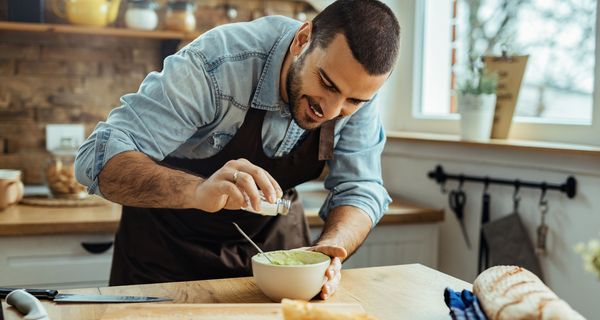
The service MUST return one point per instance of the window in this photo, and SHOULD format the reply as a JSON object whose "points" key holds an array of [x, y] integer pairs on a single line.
{"points": [[557, 101]]}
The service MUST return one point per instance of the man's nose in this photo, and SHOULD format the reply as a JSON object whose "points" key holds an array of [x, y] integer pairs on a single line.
{"points": [[333, 107]]}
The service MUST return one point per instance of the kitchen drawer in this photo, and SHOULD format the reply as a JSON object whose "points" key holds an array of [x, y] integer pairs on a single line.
{"points": [[55, 261]]}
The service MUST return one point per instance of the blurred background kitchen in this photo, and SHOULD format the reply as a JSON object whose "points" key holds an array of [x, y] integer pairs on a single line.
{"points": [[65, 63], [76, 75]]}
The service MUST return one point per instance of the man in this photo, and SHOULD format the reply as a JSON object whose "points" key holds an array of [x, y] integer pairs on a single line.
{"points": [[248, 107]]}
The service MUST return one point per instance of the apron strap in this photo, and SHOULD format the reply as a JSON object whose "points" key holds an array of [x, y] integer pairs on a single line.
{"points": [[326, 140]]}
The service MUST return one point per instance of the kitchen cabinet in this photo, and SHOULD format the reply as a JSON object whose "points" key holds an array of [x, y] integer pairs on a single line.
{"points": [[46, 246], [55, 261], [83, 260]]}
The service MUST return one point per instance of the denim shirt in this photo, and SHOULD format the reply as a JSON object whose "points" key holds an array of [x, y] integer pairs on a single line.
{"points": [[196, 104]]}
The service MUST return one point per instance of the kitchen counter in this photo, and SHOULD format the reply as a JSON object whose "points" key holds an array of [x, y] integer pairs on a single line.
{"points": [[21, 220], [394, 292]]}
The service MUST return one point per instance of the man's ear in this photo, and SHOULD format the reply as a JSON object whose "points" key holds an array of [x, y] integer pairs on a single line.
{"points": [[302, 38]]}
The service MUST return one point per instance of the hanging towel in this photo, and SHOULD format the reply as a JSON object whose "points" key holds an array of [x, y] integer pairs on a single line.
{"points": [[509, 244], [464, 305]]}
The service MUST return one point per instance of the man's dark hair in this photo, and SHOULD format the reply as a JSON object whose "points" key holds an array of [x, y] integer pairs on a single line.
{"points": [[370, 27]]}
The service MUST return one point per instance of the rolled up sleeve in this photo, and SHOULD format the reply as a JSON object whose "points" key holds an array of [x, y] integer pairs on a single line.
{"points": [[168, 109], [355, 171]]}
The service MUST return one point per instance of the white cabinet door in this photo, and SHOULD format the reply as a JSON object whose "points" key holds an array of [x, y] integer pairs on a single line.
{"points": [[395, 244], [55, 261], [71, 261]]}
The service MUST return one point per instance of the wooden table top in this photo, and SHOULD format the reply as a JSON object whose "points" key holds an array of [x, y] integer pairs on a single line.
{"points": [[22, 219], [393, 292]]}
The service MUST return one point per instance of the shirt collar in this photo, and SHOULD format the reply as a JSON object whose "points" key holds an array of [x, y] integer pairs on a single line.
{"points": [[267, 95]]}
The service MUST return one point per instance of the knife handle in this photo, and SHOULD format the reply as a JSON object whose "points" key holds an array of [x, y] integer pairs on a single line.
{"points": [[28, 305], [38, 293]]}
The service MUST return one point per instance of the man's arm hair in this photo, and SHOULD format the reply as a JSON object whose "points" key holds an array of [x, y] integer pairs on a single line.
{"points": [[132, 178], [347, 227]]}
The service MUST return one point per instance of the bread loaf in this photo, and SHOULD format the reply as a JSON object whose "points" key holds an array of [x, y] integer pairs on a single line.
{"points": [[511, 292]]}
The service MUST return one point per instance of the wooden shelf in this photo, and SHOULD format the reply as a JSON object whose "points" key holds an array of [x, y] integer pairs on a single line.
{"points": [[102, 31], [503, 144], [21, 220]]}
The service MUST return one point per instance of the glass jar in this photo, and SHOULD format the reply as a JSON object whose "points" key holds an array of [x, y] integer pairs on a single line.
{"points": [[60, 173], [141, 15], [180, 16]]}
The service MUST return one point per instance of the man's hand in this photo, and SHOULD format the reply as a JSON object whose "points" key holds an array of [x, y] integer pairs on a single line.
{"points": [[334, 272], [236, 185], [345, 229]]}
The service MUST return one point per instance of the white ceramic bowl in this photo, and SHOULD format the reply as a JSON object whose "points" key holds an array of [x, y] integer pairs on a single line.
{"points": [[301, 282]]}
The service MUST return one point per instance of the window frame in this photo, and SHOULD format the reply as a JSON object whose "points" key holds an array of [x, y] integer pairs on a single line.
{"points": [[403, 95]]}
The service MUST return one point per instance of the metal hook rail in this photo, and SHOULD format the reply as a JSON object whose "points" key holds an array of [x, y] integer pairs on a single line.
{"points": [[569, 187]]}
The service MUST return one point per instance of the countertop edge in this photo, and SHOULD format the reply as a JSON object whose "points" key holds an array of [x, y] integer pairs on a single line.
{"points": [[13, 222]]}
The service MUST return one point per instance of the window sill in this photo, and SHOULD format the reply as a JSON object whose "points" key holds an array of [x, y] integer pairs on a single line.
{"points": [[498, 144]]}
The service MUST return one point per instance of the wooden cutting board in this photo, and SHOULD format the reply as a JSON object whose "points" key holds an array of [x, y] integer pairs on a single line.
{"points": [[213, 311]]}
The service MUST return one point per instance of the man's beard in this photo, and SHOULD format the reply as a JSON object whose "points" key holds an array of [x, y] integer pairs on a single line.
{"points": [[294, 86]]}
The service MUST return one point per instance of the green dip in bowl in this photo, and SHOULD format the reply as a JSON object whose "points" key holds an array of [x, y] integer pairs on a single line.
{"points": [[292, 257]]}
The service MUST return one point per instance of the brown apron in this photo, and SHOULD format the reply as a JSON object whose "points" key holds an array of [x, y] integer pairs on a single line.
{"points": [[166, 245]]}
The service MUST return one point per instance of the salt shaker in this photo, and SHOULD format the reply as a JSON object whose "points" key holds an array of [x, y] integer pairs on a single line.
{"points": [[281, 206]]}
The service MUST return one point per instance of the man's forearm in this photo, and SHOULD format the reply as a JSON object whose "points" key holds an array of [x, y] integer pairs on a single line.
{"points": [[347, 227], [133, 179]]}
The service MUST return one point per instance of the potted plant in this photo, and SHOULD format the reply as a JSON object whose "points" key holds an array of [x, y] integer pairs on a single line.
{"points": [[476, 102], [590, 253]]}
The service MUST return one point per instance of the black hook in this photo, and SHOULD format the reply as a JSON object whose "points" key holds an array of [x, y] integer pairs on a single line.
{"points": [[517, 188], [440, 177], [461, 181], [443, 187], [516, 198], [486, 184], [543, 196]]}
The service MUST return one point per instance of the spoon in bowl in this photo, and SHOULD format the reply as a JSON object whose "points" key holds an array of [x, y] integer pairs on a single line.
{"points": [[252, 242]]}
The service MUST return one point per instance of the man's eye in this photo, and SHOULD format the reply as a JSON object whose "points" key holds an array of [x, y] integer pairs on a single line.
{"points": [[329, 88], [332, 89]]}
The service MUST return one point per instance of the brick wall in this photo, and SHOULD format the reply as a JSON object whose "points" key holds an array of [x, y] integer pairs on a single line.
{"points": [[62, 79], [78, 79]]}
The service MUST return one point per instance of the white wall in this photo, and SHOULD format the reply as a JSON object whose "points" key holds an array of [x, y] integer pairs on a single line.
{"points": [[405, 167], [406, 164]]}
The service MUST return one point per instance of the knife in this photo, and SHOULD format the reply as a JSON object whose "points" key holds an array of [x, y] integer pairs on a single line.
{"points": [[94, 298]]}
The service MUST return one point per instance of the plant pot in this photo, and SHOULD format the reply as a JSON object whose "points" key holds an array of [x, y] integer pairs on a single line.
{"points": [[476, 115]]}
